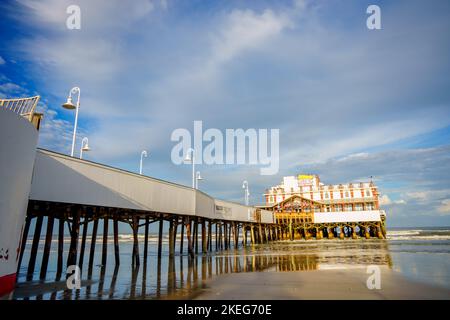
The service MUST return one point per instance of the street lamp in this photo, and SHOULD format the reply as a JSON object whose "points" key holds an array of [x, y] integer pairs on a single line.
{"points": [[70, 106], [197, 178], [192, 159], [143, 154], [84, 146], [246, 192]]}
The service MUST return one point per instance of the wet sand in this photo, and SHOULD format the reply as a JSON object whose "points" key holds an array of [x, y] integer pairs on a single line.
{"points": [[348, 283]]}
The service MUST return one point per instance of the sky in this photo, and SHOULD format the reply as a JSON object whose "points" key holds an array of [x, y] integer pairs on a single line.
{"points": [[349, 102]]}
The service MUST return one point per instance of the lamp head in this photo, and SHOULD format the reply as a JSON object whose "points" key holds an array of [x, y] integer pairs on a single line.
{"points": [[69, 104], [188, 158], [199, 177]]}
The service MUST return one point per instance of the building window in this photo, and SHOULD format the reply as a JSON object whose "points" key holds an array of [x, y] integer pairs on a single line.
{"points": [[367, 193], [359, 207], [327, 195], [338, 208], [348, 207], [369, 206], [347, 194]]}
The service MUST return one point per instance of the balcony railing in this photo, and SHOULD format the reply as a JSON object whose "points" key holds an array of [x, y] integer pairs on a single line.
{"points": [[22, 106]]}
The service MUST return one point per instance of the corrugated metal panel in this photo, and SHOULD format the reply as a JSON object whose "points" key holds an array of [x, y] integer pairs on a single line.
{"points": [[60, 178]]}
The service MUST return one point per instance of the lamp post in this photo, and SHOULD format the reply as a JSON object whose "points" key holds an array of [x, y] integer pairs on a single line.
{"points": [[143, 154], [246, 192], [197, 178], [84, 146], [70, 106], [192, 159]]}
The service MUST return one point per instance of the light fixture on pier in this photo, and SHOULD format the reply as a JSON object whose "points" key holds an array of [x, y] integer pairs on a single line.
{"points": [[190, 158], [70, 106], [246, 192], [84, 146], [197, 178], [143, 154]]}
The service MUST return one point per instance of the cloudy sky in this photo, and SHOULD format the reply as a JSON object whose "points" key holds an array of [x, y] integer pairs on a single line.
{"points": [[349, 102]]}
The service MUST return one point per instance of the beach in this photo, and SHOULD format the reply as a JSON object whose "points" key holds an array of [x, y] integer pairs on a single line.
{"points": [[414, 263], [342, 284]]}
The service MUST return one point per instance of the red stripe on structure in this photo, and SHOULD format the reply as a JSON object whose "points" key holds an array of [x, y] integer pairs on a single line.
{"points": [[7, 283]]}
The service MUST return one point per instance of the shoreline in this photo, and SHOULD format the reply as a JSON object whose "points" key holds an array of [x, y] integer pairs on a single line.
{"points": [[330, 284]]}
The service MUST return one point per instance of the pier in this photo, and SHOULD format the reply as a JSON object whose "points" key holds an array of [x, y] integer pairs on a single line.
{"points": [[72, 194], [60, 195]]}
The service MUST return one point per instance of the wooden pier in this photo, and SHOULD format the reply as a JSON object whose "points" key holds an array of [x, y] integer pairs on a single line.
{"points": [[182, 231], [301, 218]]}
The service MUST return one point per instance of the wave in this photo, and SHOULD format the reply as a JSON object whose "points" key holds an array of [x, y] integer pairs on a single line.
{"points": [[419, 234]]}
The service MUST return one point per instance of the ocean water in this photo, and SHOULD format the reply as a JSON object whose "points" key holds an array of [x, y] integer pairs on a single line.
{"points": [[420, 254]]}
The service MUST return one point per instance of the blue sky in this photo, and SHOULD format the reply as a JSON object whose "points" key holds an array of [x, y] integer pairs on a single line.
{"points": [[349, 102]]}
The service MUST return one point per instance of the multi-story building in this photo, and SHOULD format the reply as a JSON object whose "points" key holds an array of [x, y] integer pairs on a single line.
{"points": [[358, 196], [304, 203]]}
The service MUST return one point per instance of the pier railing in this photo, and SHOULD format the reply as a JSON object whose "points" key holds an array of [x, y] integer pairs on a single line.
{"points": [[23, 106]]}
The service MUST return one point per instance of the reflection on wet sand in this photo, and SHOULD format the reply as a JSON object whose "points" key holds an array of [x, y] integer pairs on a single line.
{"points": [[180, 276]]}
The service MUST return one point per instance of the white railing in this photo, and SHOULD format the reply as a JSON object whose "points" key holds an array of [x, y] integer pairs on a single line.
{"points": [[22, 106]]}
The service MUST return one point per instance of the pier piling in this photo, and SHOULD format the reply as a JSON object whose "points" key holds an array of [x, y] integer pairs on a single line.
{"points": [[105, 241], [34, 248], [47, 246]]}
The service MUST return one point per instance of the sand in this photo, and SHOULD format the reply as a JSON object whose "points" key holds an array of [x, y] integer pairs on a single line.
{"points": [[346, 283]]}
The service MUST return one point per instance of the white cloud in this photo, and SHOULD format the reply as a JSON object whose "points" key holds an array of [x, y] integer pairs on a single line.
{"points": [[245, 30], [11, 90], [334, 90], [444, 207], [385, 200], [2, 61]]}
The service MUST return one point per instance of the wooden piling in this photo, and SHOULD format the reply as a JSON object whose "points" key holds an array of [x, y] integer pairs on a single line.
{"points": [[135, 257], [47, 246], [105, 241], [204, 243], [229, 235], [196, 236], [116, 240], [171, 239], [188, 236], [175, 230], [146, 239], [210, 236], [160, 234], [93, 241], [217, 235], [23, 242], [83, 242], [59, 267], [252, 234], [225, 235], [34, 248], [236, 236], [181, 238], [261, 238], [74, 234]]}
